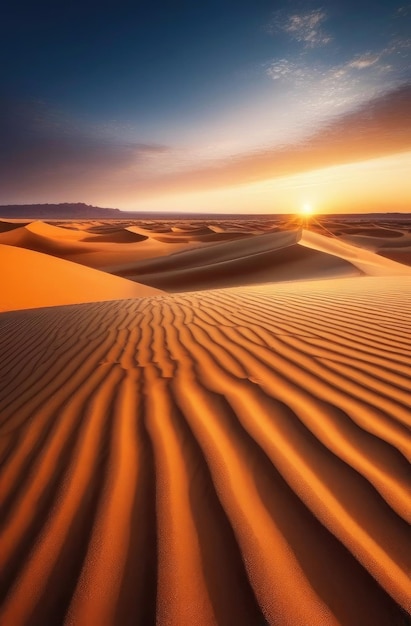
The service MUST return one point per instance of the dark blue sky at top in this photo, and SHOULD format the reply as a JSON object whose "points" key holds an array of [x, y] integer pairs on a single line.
{"points": [[131, 90], [124, 59], [148, 59]]}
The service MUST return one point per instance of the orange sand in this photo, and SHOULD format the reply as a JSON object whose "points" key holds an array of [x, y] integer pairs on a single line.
{"points": [[32, 279], [218, 457]]}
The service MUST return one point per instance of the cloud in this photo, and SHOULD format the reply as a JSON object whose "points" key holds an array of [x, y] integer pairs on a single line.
{"points": [[46, 158], [325, 91], [287, 69], [364, 61], [378, 128], [305, 28], [404, 10], [297, 70], [338, 87]]}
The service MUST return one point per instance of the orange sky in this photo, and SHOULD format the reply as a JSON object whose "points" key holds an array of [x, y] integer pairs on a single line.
{"points": [[354, 162], [359, 162], [374, 185]]}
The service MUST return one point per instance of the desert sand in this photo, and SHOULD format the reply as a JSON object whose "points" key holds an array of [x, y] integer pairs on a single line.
{"points": [[31, 279], [205, 423]]}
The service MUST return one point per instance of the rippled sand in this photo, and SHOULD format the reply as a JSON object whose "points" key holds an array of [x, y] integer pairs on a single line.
{"points": [[233, 456]]}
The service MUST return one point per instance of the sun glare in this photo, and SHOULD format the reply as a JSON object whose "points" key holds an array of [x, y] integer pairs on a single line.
{"points": [[306, 209]]}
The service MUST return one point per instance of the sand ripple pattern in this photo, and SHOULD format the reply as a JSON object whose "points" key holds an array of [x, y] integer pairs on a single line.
{"points": [[231, 457]]}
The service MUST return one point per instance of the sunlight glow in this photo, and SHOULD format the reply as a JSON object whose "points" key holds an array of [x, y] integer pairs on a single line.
{"points": [[306, 209], [374, 185]]}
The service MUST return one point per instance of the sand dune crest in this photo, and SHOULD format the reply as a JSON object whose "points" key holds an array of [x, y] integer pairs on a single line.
{"points": [[370, 263]]}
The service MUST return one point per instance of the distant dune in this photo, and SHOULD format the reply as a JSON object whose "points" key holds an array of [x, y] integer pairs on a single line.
{"points": [[6, 226], [178, 235], [94, 249], [218, 457], [120, 235]]}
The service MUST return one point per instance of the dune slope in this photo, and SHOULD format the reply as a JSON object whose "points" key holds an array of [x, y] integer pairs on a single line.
{"points": [[271, 257], [368, 262], [215, 458], [262, 258], [6, 226], [32, 279]]}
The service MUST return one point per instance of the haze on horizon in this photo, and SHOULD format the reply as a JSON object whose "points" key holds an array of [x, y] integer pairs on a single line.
{"points": [[246, 106]]}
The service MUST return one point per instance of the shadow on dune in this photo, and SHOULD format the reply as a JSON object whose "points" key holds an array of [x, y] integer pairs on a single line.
{"points": [[6, 227], [117, 236], [293, 262]]}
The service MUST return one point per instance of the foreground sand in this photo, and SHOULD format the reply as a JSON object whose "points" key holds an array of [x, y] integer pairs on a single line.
{"points": [[237, 456], [225, 457]]}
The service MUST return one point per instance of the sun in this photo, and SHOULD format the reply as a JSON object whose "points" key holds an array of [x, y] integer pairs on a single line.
{"points": [[306, 209]]}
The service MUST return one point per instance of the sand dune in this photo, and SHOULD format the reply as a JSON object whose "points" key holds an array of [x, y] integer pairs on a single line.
{"points": [[55, 232], [107, 255], [368, 262], [120, 235], [396, 248], [178, 235], [45, 238], [6, 226], [96, 250], [32, 279], [400, 255], [374, 231], [230, 457], [190, 229], [290, 263], [179, 261], [271, 257], [209, 254]]}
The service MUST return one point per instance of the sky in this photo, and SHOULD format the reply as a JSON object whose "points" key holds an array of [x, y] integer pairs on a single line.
{"points": [[229, 106]]}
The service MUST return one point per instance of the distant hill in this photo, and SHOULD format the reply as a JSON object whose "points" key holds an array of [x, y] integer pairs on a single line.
{"points": [[66, 210]]}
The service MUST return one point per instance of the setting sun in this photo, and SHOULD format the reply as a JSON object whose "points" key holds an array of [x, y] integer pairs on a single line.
{"points": [[306, 209]]}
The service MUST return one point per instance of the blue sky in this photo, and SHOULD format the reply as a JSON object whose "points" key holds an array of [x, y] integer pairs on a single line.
{"points": [[129, 104]]}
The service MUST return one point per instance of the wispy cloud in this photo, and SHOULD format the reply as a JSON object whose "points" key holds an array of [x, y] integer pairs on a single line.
{"points": [[298, 71], [289, 70], [381, 127], [325, 91], [306, 28], [404, 10], [44, 163], [338, 87], [363, 61]]}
